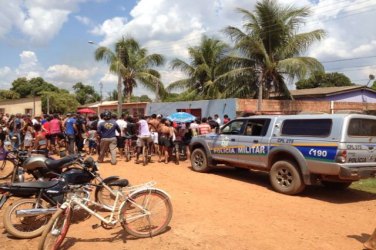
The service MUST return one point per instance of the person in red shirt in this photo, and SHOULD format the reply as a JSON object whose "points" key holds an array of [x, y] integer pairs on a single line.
{"points": [[204, 128], [225, 119], [46, 128]]}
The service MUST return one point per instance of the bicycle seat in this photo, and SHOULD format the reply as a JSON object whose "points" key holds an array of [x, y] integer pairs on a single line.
{"points": [[35, 184], [120, 183], [58, 164]]}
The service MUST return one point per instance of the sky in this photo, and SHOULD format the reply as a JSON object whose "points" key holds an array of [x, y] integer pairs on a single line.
{"points": [[49, 38]]}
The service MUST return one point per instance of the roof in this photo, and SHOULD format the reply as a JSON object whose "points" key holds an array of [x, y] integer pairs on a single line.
{"points": [[328, 91]]}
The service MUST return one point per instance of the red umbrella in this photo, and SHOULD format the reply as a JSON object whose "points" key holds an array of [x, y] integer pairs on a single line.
{"points": [[86, 111]]}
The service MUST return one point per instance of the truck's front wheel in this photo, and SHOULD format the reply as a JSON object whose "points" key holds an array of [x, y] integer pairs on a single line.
{"points": [[285, 178], [199, 160]]}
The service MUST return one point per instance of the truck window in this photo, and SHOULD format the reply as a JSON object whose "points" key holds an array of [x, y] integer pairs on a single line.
{"points": [[233, 128], [307, 127], [257, 127], [362, 127]]}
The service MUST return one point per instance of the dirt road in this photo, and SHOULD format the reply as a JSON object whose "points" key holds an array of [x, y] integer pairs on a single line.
{"points": [[231, 209]]}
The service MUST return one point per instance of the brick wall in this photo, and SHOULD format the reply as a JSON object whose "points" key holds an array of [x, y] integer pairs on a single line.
{"points": [[294, 107]]}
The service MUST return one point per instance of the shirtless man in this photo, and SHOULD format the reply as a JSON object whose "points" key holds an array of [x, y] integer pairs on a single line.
{"points": [[165, 135], [154, 124]]}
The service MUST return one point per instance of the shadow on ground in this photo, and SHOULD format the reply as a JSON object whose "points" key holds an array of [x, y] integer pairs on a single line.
{"points": [[121, 235], [315, 192]]}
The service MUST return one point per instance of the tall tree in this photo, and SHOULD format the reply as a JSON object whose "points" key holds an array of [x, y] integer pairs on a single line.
{"points": [[59, 101], [205, 64], [269, 47], [85, 93], [321, 79], [9, 94], [34, 86], [134, 64]]}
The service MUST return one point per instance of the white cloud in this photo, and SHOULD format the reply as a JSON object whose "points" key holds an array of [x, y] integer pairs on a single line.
{"points": [[39, 20], [84, 20], [65, 76]]}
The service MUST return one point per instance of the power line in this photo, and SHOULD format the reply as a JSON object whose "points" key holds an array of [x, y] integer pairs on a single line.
{"points": [[194, 39], [349, 59]]}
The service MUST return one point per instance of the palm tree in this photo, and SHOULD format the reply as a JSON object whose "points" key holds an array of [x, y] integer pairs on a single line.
{"points": [[269, 47], [134, 65], [206, 64]]}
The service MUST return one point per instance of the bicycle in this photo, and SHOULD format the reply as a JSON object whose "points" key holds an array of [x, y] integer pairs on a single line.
{"points": [[144, 143], [137, 214], [129, 148]]}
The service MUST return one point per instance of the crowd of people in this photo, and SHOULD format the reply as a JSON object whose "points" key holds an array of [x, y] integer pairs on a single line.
{"points": [[103, 134]]}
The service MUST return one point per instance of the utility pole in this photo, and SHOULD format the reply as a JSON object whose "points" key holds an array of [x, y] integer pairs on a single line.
{"points": [[119, 107], [101, 89], [259, 102], [48, 104]]}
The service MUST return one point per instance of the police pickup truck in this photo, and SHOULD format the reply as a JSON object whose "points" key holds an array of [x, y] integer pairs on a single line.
{"points": [[296, 150]]}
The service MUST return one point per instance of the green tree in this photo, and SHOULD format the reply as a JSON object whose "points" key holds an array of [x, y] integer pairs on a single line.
{"points": [[206, 64], [9, 94], [321, 79], [59, 101], [36, 86], [269, 47], [134, 65], [85, 93], [112, 96], [373, 85], [142, 98]]}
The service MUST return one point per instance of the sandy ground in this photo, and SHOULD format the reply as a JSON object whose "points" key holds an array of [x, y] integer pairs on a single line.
{"points": [[230, 209]]}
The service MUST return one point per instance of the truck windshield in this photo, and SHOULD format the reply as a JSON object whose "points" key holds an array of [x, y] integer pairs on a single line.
{"points": [[362, 127]]}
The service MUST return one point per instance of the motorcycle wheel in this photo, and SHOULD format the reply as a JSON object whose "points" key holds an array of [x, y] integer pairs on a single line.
{"points": [[24, 227]]}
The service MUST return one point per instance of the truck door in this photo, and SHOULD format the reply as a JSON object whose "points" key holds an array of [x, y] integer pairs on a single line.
{"points": [[254, 144], [225, 145]]}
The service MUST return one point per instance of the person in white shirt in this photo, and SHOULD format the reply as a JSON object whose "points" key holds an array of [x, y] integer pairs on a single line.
{"points": [[121, 137], [217, 119]]}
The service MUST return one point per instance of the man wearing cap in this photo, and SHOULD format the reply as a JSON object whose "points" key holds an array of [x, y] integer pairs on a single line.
{"points": [[107, 132]]}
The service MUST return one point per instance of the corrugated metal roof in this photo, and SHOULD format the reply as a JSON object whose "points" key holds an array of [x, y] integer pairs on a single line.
{"points": [[327, 91]]}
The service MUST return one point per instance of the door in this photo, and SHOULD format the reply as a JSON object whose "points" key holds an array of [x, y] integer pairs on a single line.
{"points": [[254, 143], [226, 144]]}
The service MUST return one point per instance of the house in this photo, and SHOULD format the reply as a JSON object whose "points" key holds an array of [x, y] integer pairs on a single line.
{"points": [[31, 106], [355, 93], [132, 108]]}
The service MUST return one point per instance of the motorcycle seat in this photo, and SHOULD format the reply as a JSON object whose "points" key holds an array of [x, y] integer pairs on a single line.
{"points": [[58, 164], [36, 184], [120, 183]]}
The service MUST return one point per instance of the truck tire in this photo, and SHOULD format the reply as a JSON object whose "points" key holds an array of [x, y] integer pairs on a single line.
{"points": [[285, 178], [199, 161], [336, 185]]}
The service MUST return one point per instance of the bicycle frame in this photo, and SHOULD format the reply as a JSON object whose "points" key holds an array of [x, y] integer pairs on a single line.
{"points": [[77, 201]]}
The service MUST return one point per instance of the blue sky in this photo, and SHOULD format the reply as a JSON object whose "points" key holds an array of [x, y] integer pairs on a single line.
{"points": [[49, 38]]}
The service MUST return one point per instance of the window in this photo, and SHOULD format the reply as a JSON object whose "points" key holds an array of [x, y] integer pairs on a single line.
{"points": [[29, 111], [2, 111], [234, 128], [362, 127], [257, 127], [307, 127]]}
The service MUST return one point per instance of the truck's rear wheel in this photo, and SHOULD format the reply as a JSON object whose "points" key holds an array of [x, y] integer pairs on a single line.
{"points": [[285, 178], [199, 160]]}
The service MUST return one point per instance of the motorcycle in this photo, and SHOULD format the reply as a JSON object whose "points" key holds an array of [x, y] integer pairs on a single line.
{"points": [[26, 218]]}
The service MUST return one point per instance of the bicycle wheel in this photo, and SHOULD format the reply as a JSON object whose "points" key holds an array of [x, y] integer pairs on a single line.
{"points": [[105, 197], [56, 230], [145, 152], [24, 227], [151, 218], [127, 152], [6, 169]]}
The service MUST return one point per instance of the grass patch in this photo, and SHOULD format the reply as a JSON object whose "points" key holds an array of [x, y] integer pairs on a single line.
{"points": [[367, 185]]}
